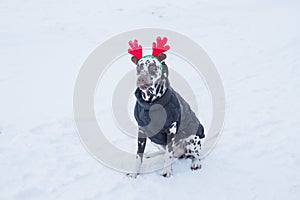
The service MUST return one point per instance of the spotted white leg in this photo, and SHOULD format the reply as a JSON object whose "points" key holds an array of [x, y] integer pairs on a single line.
{"points": [[193, 149], [137, 167], [140, 151], [167, 170]]}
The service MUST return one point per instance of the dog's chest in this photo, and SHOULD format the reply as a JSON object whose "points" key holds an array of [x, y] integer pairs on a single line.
{"points": [[156, 118]]}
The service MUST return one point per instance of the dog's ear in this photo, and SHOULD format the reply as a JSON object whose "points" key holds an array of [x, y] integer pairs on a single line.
{"points": [[134, 60], [161, 57], [165, 73], [165, 69]]}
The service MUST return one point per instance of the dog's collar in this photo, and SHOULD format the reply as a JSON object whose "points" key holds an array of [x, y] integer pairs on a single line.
{"points": [[163, 100]]}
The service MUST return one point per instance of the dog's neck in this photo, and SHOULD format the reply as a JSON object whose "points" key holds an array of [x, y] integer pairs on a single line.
{"points": [[155, 91]]}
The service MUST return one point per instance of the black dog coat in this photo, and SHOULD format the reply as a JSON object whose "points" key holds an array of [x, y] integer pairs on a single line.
{"points": [[166, 110]]}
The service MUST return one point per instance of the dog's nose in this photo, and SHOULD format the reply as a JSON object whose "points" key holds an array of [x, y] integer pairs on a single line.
{"points": [[142, 80]]}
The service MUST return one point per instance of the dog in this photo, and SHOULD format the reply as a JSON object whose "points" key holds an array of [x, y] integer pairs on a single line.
{"points": [[161, 113]]}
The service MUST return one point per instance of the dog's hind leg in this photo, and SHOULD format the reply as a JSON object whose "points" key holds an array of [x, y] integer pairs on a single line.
{"points": [[193, 148]]}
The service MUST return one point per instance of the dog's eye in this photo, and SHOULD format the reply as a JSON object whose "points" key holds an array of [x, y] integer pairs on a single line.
{"points": [[138, 69]]}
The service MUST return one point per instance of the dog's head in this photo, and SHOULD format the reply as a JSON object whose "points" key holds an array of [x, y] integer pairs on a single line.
{"points": [[151, 69], [149, 72]]}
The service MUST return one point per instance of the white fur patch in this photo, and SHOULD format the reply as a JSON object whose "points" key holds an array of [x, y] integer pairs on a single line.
{"points": [[173, 128]]}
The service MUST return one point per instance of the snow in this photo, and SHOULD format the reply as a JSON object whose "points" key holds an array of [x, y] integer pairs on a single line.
{"points": [[255, 46]]}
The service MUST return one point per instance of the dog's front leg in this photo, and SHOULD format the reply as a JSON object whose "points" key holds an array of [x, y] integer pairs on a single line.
{"points": [[140, 152], [167, 170]]}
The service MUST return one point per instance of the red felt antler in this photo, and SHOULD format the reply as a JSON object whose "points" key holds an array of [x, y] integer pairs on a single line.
{"points": [[136, 49], [160, 46]]}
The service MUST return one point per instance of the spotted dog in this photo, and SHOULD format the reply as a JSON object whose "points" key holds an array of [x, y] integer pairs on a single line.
{"points": [[162, 114]]}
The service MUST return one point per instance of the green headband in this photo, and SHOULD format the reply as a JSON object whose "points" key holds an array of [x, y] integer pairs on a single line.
{"points": [[151, 56]]}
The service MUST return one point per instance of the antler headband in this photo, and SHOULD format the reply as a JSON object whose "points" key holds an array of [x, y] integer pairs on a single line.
{"points": [[158, 47]]}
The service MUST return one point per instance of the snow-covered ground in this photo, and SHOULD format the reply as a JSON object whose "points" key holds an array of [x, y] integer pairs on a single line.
{"points": [[255, 46]]}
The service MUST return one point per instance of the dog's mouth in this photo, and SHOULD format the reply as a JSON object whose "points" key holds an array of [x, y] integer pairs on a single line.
{"points": [[143, 87]]}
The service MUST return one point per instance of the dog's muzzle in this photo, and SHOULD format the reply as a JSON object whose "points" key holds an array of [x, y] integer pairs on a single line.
{"points": [[143, 81]]}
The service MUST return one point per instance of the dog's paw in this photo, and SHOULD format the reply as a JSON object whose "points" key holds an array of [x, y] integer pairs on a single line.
{"points": [[195, 164], [166, 173], [132, 175]]}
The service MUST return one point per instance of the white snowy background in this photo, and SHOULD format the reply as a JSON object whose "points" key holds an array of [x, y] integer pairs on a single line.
{"points": [[255, 46]]}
